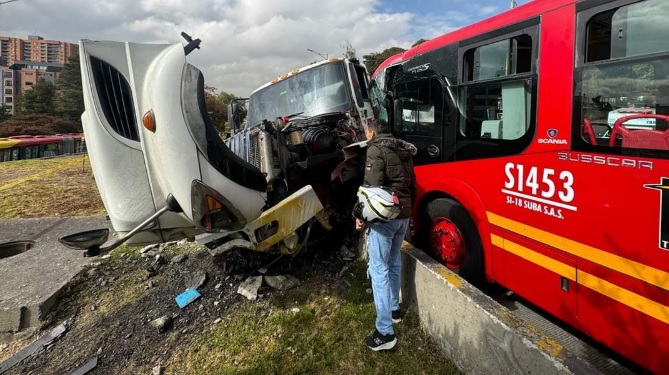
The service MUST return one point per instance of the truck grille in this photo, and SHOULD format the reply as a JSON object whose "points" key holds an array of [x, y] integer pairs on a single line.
{"points": [[254, 146], [115, 99]]}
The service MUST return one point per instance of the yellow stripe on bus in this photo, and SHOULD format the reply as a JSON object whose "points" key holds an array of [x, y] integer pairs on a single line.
{"points": [[626, 266], [536, 258], [619, 294], [624, 296], [8, 143]]}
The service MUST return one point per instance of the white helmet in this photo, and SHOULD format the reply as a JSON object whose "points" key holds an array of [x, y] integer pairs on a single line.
{"points": [[377, 203]]}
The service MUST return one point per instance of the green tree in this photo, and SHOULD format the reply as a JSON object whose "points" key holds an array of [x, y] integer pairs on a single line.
{"points": [[69, 99], [39, 99], [226, 97], [419, 41], [374, 59], [4, 115], [218, 111]]}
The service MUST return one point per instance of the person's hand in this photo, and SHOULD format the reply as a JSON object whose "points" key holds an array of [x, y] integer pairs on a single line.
{"points": [[359, 225]]}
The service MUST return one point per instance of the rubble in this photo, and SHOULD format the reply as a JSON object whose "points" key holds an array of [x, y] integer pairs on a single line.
{"points": [[179, 258], [282, 282], [147, 248], [249, 288], [196, 280], [87, 367], [162, 324]]}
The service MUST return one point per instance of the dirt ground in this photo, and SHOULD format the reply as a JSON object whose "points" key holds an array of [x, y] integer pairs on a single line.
{"points": [[109, 307]]}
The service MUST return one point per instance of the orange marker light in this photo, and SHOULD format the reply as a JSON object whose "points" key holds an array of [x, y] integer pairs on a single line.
{"points": [[212, 204], [149, 121]]}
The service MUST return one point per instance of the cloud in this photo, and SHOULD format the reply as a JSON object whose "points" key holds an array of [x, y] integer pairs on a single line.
{"points": [[245, 43]]}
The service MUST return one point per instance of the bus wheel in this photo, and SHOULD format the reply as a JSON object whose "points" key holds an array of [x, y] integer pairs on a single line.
{"points": [[453, 239]]}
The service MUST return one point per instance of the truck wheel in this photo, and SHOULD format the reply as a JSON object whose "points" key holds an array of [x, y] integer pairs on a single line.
{"points": [[451, 235]]}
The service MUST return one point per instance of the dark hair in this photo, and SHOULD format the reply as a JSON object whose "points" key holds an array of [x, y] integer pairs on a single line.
{"points": [[378, 126]]}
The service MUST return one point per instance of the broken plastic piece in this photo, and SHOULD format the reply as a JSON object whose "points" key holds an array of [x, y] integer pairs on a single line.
{"points": [[186, 298]]}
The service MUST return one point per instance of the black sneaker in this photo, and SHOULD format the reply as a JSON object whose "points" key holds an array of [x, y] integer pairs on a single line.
{"points": [[377, 341], [397, 317]]}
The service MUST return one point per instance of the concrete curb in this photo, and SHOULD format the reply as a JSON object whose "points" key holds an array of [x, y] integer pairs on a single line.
{"points": [[478, 334]]}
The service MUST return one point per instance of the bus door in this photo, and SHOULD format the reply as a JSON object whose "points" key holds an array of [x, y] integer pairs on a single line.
{"points": [[422, 117]]}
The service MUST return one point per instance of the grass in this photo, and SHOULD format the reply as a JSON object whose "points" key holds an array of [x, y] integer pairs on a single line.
{"points": [[319, 327], [62, 186], [310, 330]]}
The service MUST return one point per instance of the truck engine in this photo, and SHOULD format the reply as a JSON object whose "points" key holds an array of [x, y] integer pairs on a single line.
{"points": [[297, 151]]}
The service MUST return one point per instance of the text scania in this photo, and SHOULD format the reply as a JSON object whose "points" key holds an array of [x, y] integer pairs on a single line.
{"points": [[539, 189], [552, 141]]}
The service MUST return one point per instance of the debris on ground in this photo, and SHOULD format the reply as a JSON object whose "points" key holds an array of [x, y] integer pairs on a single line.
{"points": [[88, 367], [162, 324], [128, 302], [186, 298], [282, 282], [196, 279], [179, 258], [249, 288], [40, 344]]}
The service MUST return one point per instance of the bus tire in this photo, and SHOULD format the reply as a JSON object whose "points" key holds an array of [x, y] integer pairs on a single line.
{"points": [[450, 235]]}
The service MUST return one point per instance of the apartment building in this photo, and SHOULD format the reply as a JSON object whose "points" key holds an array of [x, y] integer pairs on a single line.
{"points": [[25, 61], [35, 49]]}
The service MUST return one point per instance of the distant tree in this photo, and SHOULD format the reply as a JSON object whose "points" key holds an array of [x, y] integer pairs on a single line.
{"points": [[4, 115], [39, 99], [374, 59], [69, 98], [218, 111], [38, 125], [226, 97], [349, 51], [419, 41]]}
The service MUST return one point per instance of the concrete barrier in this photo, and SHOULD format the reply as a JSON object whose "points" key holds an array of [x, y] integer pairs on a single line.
{"points": [[477, 333]]}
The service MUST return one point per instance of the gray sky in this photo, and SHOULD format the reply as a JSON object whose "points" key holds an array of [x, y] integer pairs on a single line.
{"points": [[245, 43]]}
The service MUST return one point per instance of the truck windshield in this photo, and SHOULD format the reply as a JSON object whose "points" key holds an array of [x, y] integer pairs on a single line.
{"points": [[319, 90]]}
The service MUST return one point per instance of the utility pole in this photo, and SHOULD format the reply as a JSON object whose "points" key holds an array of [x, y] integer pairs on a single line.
{"points": [[513, 4], [308, 49]]}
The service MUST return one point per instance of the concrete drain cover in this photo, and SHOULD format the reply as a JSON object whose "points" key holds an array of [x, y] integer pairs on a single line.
{"points": [[9, 249]]}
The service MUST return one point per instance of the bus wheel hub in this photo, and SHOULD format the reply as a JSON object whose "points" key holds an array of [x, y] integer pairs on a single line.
{"points": [[447, 242]]}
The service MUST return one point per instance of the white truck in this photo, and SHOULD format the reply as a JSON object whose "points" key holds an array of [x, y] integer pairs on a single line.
{"points": [[164, 173]]}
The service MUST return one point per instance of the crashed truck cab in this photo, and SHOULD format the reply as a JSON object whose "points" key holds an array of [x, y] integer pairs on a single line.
{"points": [[161, 168]]}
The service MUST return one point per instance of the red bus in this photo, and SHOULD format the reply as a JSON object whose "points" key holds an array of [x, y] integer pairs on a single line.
{"points": [[21, 147], [543, 160]]}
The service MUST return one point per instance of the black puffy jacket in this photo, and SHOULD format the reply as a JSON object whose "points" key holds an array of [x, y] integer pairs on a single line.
{"points": [[389, 163]]}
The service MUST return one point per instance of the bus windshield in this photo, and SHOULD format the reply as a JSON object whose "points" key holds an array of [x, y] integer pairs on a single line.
{"points": [[316, 91]]}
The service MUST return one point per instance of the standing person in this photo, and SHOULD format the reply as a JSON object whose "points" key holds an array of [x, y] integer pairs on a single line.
{"points": [[389, 164]]}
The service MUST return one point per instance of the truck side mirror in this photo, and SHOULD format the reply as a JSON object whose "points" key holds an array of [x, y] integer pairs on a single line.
{"points": [[233, 117]]}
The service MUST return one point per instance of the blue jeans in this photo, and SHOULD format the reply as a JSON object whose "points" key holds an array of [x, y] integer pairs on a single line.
{"points": [[384, 244]]}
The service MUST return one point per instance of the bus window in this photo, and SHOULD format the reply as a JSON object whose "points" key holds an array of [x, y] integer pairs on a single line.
{"points": [[496, 96], [625, 72], [422, 107], [421, 117]]}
